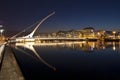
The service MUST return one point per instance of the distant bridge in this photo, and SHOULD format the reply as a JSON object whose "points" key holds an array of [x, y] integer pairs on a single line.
{"points": [[53, 39]]}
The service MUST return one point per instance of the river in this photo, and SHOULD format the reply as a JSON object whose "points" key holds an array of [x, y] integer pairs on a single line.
{"points": [[68, 60]]}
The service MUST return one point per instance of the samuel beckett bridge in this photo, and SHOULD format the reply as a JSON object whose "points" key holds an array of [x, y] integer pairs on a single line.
{"points": [[30, 37]]}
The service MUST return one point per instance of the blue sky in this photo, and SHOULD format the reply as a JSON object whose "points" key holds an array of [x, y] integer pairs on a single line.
{"points": [[17, 15]]}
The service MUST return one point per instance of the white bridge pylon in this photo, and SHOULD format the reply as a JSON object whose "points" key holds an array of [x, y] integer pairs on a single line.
{"points": [[32, 33]]}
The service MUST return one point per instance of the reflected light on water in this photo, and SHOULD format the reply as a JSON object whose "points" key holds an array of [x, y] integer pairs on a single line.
{"points": [[114, 48], [83, 45], [103, 47], [29, 46], [61, 57]]}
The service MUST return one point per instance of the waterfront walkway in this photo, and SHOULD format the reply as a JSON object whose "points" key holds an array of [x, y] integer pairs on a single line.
{"points": [[2, 46], [9, 69]]}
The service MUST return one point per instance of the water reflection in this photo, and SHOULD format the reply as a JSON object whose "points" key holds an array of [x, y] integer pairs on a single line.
{"points": [[70, 58], [30, 47], [83, 45], [87, 47]]}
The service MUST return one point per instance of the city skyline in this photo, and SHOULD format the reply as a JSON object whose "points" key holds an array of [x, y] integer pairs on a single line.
{"points": [[75, 14]]}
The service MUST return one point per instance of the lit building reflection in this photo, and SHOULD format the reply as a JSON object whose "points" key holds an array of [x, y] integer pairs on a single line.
{"points": [[77, 45], [114, 47]]}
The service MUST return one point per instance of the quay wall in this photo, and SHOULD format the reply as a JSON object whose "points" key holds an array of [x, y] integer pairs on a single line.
{"points": [[10, 69]]}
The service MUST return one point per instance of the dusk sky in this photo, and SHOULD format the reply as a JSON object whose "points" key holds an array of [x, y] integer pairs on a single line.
{"points": [[69, 14]]}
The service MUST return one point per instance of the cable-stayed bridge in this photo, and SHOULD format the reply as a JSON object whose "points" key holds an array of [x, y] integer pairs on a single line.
{"points": [[30, 38]]}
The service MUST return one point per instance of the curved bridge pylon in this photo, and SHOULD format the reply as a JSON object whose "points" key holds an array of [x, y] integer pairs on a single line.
{"points": [[32, 33]]}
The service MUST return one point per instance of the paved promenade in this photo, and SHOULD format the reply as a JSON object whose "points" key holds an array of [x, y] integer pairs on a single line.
{"points": [[9, 68]]}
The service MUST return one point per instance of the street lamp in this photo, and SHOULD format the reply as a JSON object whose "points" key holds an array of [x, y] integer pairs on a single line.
{"points": [[1, 31], [114, 32]]}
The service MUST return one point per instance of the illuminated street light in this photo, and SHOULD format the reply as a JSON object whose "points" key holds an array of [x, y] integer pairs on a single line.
{"points": [[1, 31], [114, 32]]}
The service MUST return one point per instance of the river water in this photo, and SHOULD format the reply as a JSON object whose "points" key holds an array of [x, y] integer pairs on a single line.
{"points": [[69, 60]]}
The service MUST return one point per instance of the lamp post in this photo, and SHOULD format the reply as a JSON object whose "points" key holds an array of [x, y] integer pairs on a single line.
{"points": [[1, 31]]}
